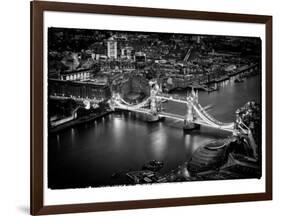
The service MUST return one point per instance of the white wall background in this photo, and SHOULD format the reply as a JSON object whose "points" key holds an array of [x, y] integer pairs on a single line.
{"points": [[14, 109]]}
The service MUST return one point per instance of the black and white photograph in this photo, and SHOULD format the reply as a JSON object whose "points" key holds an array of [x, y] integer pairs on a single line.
{"points": [[129, 108]]}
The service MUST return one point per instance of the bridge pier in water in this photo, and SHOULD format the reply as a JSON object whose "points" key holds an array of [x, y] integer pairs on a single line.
{"points": [[152, 118], [189, 126]]}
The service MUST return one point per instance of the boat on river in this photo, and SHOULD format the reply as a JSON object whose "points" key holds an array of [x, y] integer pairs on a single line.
{"points": [[153, 165]]}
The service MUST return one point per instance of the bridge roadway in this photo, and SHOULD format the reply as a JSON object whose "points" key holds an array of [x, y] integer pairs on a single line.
{"points": [[177, 117], [199, 109], [197, 121], [207, 120]]}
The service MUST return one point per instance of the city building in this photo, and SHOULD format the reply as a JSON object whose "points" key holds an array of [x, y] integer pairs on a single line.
{"points": [[78, 89], [127, 52], [140, 57], [78, 75], [111, 48], [140, 60]]}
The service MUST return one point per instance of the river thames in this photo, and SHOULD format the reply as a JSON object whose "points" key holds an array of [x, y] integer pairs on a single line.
{"points": [[88, 154]]}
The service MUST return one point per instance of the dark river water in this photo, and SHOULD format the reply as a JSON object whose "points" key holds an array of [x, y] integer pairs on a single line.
{"points": [[87, 155]]}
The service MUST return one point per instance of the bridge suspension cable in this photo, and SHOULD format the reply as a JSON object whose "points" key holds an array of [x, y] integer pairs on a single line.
{"points": [[211, 122], [208, 115], [212, 118]]}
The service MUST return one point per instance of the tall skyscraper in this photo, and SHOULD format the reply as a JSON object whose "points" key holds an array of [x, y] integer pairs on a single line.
{"points": [[112, 48]]}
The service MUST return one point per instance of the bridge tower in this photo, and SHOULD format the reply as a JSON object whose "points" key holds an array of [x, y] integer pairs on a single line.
{"points": [[190, 117], [155, 106]]}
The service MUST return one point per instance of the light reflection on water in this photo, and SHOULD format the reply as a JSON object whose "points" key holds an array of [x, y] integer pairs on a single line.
{"points": [[118, 128], [58, 142], [158, 140], [72, 136]]}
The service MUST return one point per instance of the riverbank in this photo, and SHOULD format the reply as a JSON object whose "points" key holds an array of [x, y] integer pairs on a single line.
{"points": [[204, 83], [78, 121]]}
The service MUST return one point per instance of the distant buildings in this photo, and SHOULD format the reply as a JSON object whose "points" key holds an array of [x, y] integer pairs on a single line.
{"points": [[127, 52], [112, 48], [108, 58], [140, 57]]}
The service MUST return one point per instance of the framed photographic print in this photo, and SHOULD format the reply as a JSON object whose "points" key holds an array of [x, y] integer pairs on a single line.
{"points": [[142, 107]]}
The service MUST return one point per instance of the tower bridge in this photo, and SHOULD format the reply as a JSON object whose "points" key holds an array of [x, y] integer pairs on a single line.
{"points": [[195, 115]]}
